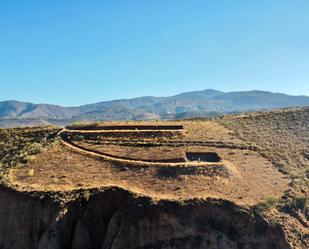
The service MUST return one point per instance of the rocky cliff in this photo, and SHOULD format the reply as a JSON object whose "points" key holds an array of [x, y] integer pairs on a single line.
{"points": [[114, 218]]}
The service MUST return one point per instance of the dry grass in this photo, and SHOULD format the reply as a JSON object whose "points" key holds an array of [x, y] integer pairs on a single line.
{"points": [[243, 176], [283, 138], [20, 145]]}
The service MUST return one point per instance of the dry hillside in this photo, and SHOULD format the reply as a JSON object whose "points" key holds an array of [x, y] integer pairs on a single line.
{"points": [[243, 179]]}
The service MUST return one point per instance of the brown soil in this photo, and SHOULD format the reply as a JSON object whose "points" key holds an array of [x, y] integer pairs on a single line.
{"points": [[243, 176], [150, 154]]}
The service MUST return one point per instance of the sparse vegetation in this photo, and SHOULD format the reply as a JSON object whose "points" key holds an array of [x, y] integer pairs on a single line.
{"points": [[282, 137], [21, 145], [299, 203]]}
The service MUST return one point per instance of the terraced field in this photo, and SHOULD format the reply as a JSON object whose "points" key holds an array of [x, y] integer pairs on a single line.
{"points": [[162, 163]]}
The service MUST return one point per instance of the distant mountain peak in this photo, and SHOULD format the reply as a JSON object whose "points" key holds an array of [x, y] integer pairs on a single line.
{"points": [[196, 103], [207, 93]]}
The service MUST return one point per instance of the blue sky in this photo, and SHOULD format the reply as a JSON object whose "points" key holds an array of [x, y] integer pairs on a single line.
{"points": [[77, 52]]}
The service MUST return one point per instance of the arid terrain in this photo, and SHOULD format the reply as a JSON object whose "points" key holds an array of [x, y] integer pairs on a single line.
{"points": [[238, 181]]}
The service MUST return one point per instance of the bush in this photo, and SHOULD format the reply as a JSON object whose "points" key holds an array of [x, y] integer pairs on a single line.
{"points": [[35, 148], [280, 166], [86, 195], [301, 203], [267, 204], [28, 158]]}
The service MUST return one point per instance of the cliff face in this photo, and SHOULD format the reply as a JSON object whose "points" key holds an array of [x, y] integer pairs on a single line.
{"points": [[115, 219]]}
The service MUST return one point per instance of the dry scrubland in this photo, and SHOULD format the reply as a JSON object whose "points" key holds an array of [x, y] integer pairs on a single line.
{"points": [[283, 138], [18, 146], [264, 163]]}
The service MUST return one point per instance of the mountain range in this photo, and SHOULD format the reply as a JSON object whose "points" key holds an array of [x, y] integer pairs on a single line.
{"points": [[189, 104]]}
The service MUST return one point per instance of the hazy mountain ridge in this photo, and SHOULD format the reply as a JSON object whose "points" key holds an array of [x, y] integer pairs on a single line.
{"points": [[198, 103], [13, 109]]}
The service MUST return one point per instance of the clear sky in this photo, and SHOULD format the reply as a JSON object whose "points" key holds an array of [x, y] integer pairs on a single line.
{"points": [[74, 52]]}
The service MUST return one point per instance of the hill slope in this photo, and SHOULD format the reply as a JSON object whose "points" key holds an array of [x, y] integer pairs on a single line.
{"points": [[90, 185]]}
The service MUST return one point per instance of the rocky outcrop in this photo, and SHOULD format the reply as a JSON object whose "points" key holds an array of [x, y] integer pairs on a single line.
{"points": [[116, 219]]}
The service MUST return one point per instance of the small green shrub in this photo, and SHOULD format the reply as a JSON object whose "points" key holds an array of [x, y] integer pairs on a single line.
{"points": [[86, 195], [267, 204], [29, 158], [301, 202], [274, 222], [35, 148]]}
